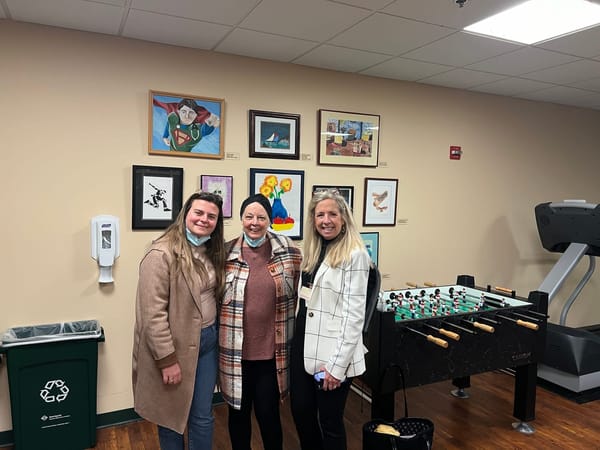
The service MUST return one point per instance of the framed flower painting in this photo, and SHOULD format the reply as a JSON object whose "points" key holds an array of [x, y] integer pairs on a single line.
{"points": [[285, 191]]}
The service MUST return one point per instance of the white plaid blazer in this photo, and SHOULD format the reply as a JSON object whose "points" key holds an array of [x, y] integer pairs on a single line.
{"points": [[335, 316]]}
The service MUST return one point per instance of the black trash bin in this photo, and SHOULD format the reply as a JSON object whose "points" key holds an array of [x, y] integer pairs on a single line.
{"points": [[52, 377]]}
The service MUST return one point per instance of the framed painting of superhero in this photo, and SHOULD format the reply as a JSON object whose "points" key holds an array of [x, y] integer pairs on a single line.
{"points": [[185, 125]]}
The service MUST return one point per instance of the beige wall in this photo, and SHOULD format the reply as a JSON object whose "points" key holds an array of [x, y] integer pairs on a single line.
{"points": [[74, 120]]}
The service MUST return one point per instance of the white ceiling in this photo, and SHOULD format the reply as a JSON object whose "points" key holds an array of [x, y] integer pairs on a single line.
{"points": [[415, 40]]}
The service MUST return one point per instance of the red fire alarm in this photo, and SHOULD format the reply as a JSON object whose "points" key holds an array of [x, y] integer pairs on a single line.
{"points": [[455, 152]]}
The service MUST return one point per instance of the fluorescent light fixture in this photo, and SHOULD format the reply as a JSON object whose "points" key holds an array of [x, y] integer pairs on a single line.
{"points": [[534, 21]]}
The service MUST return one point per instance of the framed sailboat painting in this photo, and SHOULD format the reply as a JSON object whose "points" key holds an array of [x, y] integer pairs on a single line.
{"points": [[274, 135]]}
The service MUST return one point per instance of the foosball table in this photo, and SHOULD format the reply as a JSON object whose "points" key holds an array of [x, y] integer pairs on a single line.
{"points": [[435, 333]]}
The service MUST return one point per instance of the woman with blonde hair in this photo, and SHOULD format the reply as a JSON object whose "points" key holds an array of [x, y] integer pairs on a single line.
{"points": [[327, 349]]}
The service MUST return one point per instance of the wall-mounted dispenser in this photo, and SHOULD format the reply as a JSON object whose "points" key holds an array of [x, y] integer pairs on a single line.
{"points": [[105, 244]]}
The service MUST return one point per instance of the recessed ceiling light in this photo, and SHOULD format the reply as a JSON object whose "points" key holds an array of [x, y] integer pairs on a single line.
{"points": [[534, 21]]}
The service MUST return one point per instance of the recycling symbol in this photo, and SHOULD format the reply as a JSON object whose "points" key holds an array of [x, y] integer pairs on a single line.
{"points": [[54, 391]]}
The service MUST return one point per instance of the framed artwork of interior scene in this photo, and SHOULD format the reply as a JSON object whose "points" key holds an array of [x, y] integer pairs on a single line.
{"points": [[274, 135], [157, 196], [380, 201], [185, 125], [285, 191], [348, 139], [221, 185], [371, 241], [345, 191]]}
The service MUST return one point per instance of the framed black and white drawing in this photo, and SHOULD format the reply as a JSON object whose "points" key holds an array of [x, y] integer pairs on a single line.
{"points": [[157, 196]]}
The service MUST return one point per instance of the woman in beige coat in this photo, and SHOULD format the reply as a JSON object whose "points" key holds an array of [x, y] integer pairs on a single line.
{"points": [[175, 340]]}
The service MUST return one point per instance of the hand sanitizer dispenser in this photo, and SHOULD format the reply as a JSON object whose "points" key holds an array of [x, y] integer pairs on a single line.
{"points": [[105, 244]]}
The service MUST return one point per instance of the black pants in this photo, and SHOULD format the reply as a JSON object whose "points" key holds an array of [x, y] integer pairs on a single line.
{"points": [[318, 414], [259, 389]]}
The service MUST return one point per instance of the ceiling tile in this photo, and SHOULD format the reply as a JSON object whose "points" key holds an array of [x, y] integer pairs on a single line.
{"points": [[315, 20], [460, 49], [224, 12], [461, 78], [447, 12], [556, 94], [173, 30], [262, 45], [591, 84], [374, 5], [405, 69], [522, 61], [591, 100], [338, 58], [585, 43], [583, 69], [74, 14], [389, 35], [511, 86]]}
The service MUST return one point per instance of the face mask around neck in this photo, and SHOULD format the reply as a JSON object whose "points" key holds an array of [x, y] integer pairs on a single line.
{"points": [[254, 242], [196, 241]]}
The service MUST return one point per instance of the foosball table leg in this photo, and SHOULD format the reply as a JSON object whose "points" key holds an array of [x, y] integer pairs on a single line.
{"points": [[525, 393], [523, 427], [461, 384]]}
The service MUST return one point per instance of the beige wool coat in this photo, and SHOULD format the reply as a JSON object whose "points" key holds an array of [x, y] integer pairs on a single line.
{"points": [[167, 330]]}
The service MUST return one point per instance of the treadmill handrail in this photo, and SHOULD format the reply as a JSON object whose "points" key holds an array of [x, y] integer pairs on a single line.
{"points": [[586, 277], [561, 270]]}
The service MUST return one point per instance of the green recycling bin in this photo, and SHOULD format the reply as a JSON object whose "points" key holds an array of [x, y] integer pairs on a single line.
{"points": [[52, 377]]}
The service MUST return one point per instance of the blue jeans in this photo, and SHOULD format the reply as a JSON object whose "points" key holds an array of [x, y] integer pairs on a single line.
{"points": [[201, 419]]}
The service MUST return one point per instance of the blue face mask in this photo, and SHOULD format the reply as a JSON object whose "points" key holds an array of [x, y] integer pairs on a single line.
{"points": [[254, 242], [196, 241]]}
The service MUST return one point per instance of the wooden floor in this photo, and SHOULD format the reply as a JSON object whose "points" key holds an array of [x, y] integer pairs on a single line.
{"points": [[484, 421]]}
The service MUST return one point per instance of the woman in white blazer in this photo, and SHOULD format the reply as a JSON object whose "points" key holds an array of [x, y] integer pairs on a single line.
{"points": [[327, 349]]}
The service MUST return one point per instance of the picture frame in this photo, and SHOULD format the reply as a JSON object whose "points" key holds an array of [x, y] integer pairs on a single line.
{"points": [[371, 240], [157, 196], [348, 138], [285, 191], [221, 185], [185, 125], [346, 191], [274, 135], [380, 201]]}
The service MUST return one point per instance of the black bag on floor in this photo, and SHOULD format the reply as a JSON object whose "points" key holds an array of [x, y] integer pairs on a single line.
{"points": [[414, 434], [407, 433]]}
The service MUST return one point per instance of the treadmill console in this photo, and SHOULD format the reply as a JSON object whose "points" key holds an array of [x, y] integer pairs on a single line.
{"points": [[571, 221]]}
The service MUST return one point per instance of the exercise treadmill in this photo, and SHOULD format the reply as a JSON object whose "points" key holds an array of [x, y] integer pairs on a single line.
{"points": [[572, 356]]}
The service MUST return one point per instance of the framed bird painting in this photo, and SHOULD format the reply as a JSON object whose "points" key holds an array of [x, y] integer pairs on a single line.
{"points": [[380, 201]]}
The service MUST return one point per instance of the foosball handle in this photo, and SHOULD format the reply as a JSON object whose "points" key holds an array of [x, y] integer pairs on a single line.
{"points": [[411, 284], [484, 327], [530, 325], [430, 284], [450, 334], [510, 292], [437, 341], [503, 289]]}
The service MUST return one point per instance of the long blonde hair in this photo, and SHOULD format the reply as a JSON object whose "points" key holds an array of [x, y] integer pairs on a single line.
{"points": [[339, 250], [176, 238]]}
